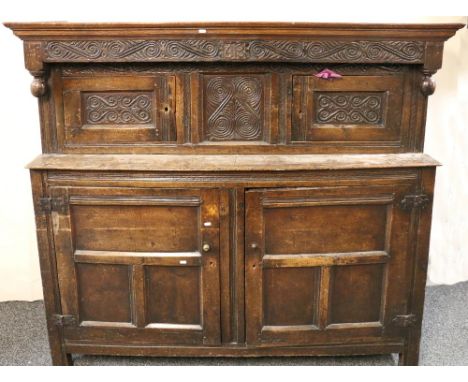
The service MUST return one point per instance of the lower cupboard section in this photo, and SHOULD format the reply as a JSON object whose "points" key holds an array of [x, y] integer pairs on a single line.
{"points": [[323, 269]]}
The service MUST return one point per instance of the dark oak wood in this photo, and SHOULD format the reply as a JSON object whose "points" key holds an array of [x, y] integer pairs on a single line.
{"points": [[202, 192]]}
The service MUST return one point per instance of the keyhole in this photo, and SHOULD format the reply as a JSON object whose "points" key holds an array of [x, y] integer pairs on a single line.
{"points": [[166, 109]]}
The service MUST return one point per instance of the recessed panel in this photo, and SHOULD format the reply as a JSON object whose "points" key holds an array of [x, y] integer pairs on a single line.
{"points": [[173, 295], [103, 292], [357, 108], [356, 293], [117, 108], [290, 296], [135, 228], [233, 107], [324, 229], [350, 108]]}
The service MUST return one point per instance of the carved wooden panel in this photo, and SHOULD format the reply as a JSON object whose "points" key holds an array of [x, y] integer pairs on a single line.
{"points": [[185, 109], [118, 111], [234, 50], [234, 107], [103, 108], [349, 109]]}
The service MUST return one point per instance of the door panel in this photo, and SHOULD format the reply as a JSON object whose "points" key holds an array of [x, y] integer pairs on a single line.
{"points": [[285, 301], [119, 111], [132, 267], [356, 291], [318, 263], [362, 228], [353, 108], [104, 292], [112, 227], [173, 295]]}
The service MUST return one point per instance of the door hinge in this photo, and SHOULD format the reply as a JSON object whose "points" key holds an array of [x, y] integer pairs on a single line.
{"points": [[63, 320], [58, 204], [404, 320], [415, 201]]}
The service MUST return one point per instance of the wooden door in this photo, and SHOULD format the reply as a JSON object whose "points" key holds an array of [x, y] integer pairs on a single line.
{"points": [[138, 265], [326, 264]]}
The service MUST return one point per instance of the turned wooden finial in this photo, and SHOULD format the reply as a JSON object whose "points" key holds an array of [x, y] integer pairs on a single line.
{"points": [[428, 84], [38, 85]]}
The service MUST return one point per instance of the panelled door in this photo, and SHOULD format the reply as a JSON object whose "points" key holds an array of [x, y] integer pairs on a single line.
{"points": [[319, 261], [138, 265]]}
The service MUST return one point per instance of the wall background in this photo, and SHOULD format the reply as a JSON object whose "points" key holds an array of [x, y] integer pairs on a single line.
{"points": [[446, 133]]}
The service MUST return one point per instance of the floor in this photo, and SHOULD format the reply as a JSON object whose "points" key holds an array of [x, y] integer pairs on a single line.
{"points": [[23, 338]]}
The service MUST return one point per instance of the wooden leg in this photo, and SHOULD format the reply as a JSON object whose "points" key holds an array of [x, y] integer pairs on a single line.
{"points": [[48, 273], [410, 356], [62, 359], [59, 357]]}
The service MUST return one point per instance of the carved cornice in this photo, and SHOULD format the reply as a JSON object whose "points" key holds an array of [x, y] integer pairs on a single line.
{"points": [[186, 50]]}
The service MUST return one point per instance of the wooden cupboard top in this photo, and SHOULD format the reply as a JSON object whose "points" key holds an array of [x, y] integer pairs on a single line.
{"points": [[62, 29], [233, 42], [207, 163], [178, 76]]}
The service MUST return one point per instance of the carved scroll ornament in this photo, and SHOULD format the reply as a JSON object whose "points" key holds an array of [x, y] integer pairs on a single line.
{"points": [[355, 108], [234, 108], [229, 50]]}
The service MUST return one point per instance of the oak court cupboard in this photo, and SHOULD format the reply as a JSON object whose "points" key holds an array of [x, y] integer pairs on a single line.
{"points": [[233, 189]]}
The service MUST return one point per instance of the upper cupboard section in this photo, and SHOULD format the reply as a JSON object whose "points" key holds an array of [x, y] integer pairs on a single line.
{"points": [[235, 108], [232, 87]]}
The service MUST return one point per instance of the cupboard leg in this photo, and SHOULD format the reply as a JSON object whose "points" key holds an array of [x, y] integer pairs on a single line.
{"points": [[61, 359], [410, 356], [69, 359], [57, 352]]}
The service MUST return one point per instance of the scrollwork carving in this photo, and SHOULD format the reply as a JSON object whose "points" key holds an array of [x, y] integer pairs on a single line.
{"points": [[115, 108], [234, 108], [351, 108], [228, 50]]}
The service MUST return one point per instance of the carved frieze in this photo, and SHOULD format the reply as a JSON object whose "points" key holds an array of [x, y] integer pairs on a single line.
{"points": [[234, 50]]}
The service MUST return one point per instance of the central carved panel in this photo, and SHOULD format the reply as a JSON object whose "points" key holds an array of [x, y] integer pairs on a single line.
{"points": [[118, 108], [349, 107], [234, 108]]}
